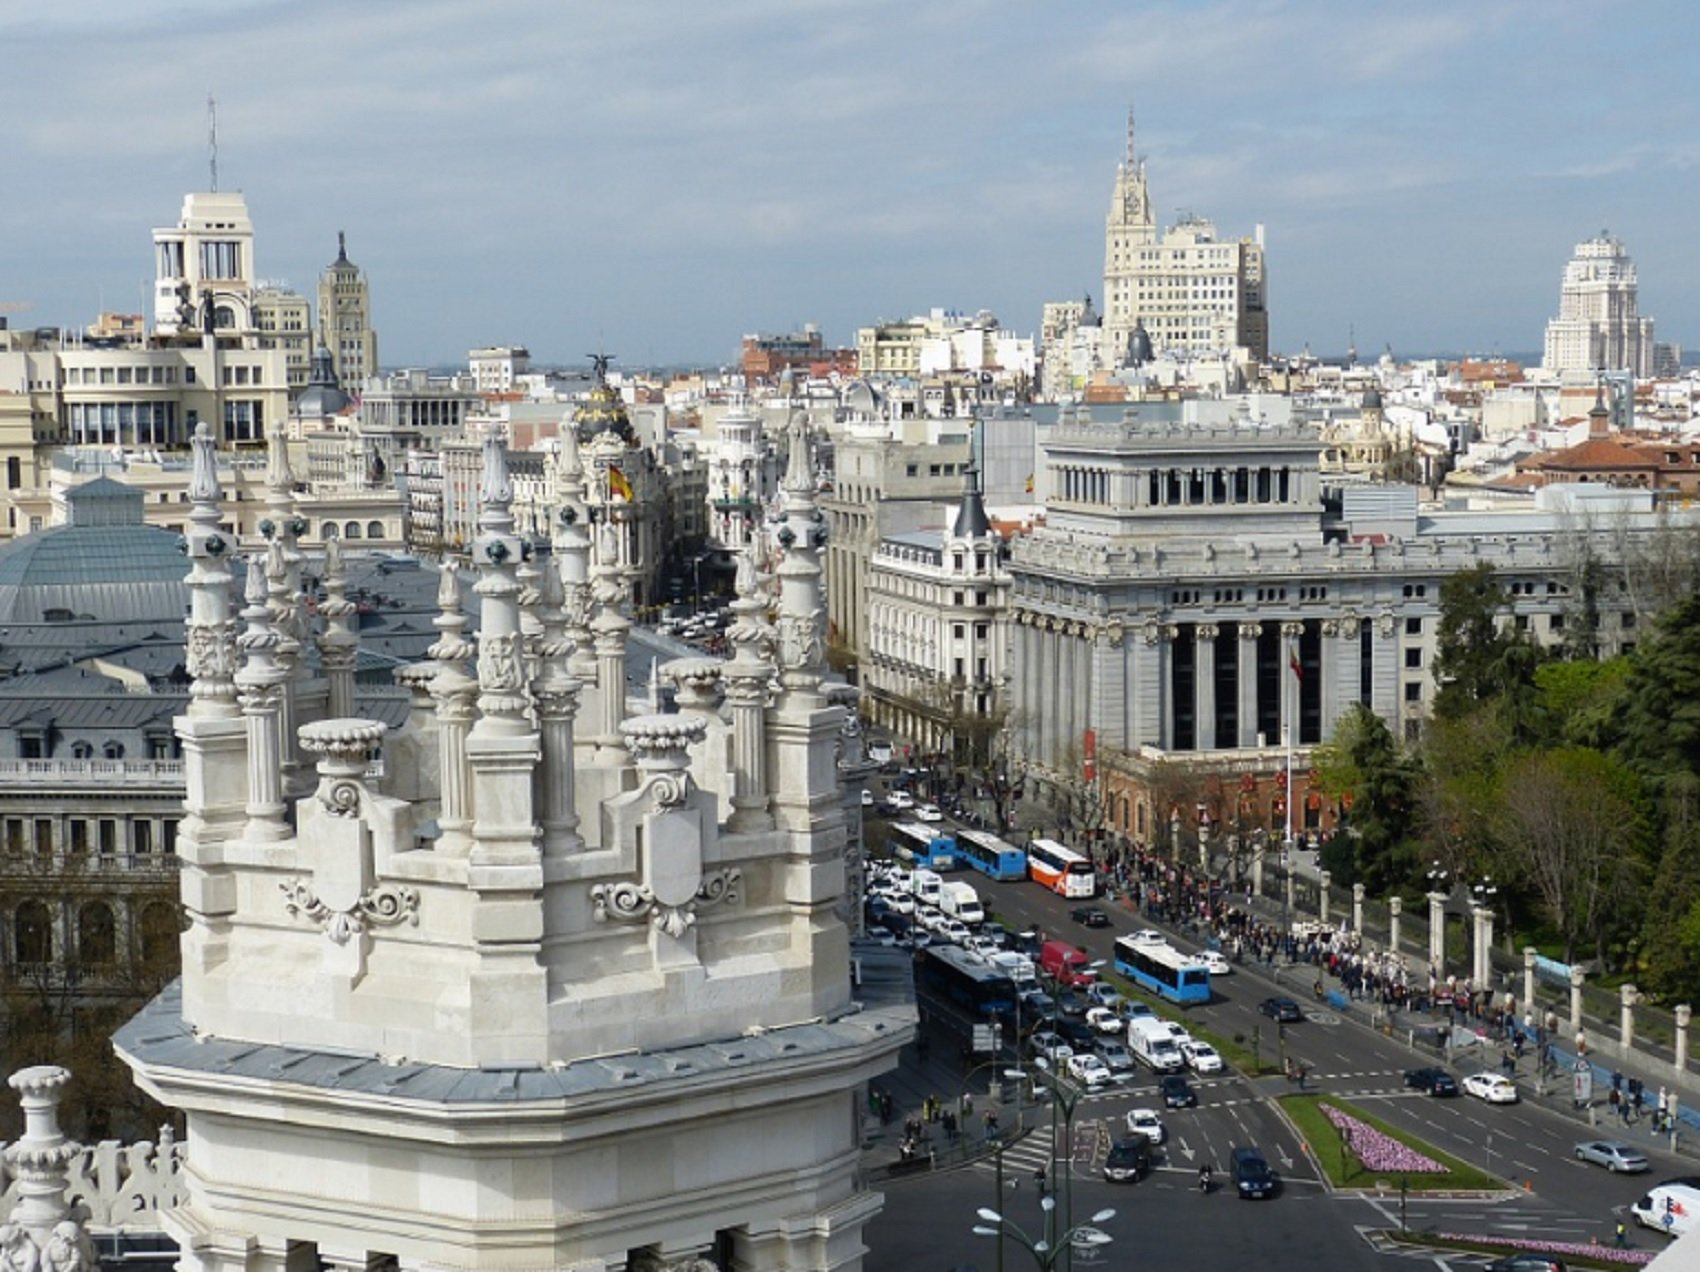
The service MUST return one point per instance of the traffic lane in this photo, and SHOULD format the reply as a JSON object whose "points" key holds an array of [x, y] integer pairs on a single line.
{"points": [[1523, 1216], [1529, 1145], [1161, 1225]]}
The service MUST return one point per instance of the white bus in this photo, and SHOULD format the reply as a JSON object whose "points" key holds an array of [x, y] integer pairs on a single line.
{"points": [[1060, 869]]}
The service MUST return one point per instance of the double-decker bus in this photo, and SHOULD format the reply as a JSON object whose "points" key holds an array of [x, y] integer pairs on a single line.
{"points": [[1164, 970], [956, 990], [991, 856], [922, 847], [1060, 869]]}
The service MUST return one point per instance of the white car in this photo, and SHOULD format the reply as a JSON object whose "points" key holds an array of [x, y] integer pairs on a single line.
{"points": [[899, 902], [1148, 936], [867, 798], [928, 813], [1088, 1070], [1146, 1122], [1103, 1020], [1217, 962], [1178, 1033], [1201, 1057], [956, 930], [1493, 1087], [900, 799], [1050, 1046], [1105, 995]]}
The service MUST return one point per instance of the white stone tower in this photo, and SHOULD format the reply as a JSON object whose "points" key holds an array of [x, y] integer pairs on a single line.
{"points": [[530, 1006], [1599, 325]]}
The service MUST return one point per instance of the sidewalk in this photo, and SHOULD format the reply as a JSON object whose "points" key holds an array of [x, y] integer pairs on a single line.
{"points": [[910, 1088]]}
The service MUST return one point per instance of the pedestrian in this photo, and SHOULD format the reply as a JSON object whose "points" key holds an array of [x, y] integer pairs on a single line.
{"points": [[991, 1124], [1622, 1241], [949, 1122], [1509, 1064], [967, 1105]]}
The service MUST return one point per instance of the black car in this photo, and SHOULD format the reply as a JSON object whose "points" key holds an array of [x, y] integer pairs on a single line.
{"points": [[1282, 1009], [1526, 1261], [1252, 1176], [1434, 1081], [1072, 1003], [1089, 915], [1129, 1160], [1177, 1092], [1076, 1034]]}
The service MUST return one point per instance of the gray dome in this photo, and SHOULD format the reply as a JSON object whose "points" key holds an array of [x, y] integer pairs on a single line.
{"points": [[322, 396]]}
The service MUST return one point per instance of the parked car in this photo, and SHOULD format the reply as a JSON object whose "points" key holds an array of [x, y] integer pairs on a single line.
{"points": [[1281, 1009], [867, 798], [1495, 1088], [1201, 1057], [1117, 1059], [1614, 1155], [1177, 1092], [1088, 1070], [1435, 1081], [1527, 1261], [1129, 1160], [1089, 916], [1252, 1176], [1146, 1122]]}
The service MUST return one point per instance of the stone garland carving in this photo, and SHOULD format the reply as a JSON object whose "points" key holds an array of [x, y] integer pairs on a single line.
{"points": [[385, 905], [629, 902]]}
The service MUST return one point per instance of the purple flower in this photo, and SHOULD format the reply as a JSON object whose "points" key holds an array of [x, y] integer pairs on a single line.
{"points": [[1606, 1254], [1379, 1151]]}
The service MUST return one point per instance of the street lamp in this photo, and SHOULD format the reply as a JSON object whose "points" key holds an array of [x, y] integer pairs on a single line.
{"points": [[1065, 1097], [1050, 1248]]}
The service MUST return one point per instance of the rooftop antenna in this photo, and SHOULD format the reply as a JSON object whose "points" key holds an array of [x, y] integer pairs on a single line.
{"points": [[212, 139], [1131, 158]]}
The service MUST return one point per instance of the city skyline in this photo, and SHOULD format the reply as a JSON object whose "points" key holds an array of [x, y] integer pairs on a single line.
{"points": [[661, 181]]}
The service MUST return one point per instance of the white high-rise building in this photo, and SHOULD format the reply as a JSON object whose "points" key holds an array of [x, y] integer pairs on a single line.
{"points": [[1599, 326], [1192, 291], [204, 267]]}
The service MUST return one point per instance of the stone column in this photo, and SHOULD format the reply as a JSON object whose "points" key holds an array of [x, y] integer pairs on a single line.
{"points": [[1578, 978], [1204, 686], [1258, 848], [1322, 884], [1483, 970], [1529, 956], [338, 645], [1684, 1013], [259, 688], [748, 678], [1437, 934], [1395, 908], [455, 693], [556, 693], [1358, 907], [1628, 997], [1249, 632], [40, 1161]]}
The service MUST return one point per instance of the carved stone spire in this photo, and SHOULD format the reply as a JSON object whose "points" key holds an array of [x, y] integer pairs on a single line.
{"points": [[42, 1230], [455, 692], [260, 684], [339, 646], [801, 535], [501, 671], [556, 693], [211, 632], [749, 679], [608, 629]]}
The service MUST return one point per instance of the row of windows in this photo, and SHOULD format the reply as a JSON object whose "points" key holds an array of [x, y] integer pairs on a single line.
{"points": [[34, 938], [104, 835], [126, 375]]}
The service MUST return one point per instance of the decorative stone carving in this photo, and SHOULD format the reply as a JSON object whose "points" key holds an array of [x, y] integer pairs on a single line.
{"points": [[630, 902], [385, 905]]}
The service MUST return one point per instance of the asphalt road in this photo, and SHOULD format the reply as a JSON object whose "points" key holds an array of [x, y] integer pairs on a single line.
{"points": [[1530, 1145]]}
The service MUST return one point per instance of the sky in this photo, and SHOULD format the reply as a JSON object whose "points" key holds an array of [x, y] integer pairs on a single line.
{"points": [[659, 179]]}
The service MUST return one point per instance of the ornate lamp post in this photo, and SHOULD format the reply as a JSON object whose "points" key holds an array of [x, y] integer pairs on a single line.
{"points": [[1048, 1250]]}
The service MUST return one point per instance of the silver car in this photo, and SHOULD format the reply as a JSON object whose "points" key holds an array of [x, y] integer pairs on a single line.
{"points": [[1614, 1155]]}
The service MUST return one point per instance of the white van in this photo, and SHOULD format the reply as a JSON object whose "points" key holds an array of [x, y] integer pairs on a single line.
{"points": [[1154, 1045], [1670, 1208], [926, 885], [960, 901]]}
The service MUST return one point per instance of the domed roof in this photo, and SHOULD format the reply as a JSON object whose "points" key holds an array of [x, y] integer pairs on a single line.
{"points": [[1372, 398], [104, 563], [1139, 350], [322, 396], [603, 412]]}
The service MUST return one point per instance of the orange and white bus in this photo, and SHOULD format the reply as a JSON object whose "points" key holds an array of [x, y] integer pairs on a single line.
{"points": [[1060, 869]]}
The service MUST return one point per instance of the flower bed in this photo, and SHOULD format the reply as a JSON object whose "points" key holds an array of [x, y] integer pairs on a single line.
{"points": [[1379, 1151], [1576, 1249]]}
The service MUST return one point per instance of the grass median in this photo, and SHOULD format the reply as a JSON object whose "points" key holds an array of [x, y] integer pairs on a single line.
{"points": [[1327, 1144], [1249, 1060]]}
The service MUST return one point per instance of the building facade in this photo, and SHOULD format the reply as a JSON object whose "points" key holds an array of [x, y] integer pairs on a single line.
{"points": [[345, 318], [1193, 291], [1599, 325]]}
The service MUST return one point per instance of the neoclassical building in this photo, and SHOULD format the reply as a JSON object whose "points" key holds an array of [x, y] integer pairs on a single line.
{"points": [[1197, 598]]}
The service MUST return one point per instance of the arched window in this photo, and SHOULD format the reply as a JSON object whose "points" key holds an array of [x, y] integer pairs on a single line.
{"points": [[32, 936], [97, 935], [351, 530], [160, 930], [82, 751], [224, 317], [328, 530], [113, 750], [374, 529]]}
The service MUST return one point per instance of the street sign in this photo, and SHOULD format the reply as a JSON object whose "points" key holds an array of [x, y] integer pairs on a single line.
{"points": [[984, 1039]]}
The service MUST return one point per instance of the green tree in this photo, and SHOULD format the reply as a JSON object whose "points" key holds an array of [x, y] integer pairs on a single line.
{"points": [[1363, 764], [1476, 663], [1657, 721]]}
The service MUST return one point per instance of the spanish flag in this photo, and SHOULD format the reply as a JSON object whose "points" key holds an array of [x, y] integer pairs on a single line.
{"points": [[1295, 664], [618, 485]]}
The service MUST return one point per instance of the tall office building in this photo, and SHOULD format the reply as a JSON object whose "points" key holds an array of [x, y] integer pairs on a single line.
{"points": [[345, 318], [1193, 291], [1599, 326]]}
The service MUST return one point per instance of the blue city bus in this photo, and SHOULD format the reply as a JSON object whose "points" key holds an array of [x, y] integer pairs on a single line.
{"points": [[1163, 970], [956, 990], [922, 847], [991, 856]]}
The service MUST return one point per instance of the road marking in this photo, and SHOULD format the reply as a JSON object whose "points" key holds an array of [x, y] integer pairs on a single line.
{"points": [[1533, 1170]]}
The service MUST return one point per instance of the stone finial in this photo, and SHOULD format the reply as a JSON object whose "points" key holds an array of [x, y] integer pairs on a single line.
{"points": [[42, 1231], [203, 471], [659, 743], [343, 747], [279, 475], [497, 490]]}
